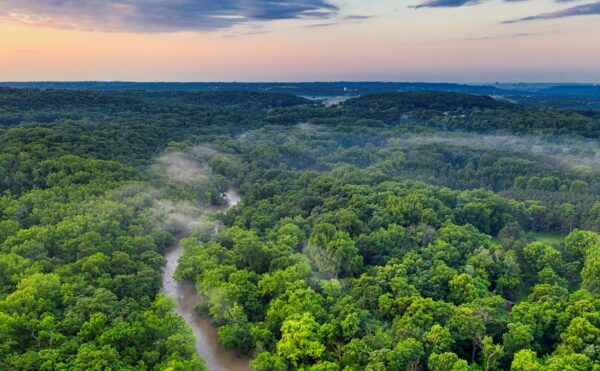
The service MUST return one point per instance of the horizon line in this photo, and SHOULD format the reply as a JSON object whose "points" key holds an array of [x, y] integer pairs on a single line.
{"points": [[300, 82]]}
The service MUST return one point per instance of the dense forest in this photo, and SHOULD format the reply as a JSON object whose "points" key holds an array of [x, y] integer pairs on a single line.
{"points": [[416, 230]]}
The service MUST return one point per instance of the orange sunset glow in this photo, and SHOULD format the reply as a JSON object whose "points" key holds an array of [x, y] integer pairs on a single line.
{"points": [[337, 40]]}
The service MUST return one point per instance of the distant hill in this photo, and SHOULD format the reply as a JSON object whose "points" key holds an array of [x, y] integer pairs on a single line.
{"points": [[135, 100], [438, 101], [570, 96], [311, 89], [573, 90]]}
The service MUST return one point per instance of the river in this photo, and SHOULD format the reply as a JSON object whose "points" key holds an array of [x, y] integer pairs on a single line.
{"points": [[207, 342]]}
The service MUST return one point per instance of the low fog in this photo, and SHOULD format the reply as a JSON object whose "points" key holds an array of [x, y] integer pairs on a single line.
{"points": [[574, 153], [179, 173]]}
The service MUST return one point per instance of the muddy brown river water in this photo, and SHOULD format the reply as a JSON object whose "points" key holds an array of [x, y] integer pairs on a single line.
{"points": [[207, 342]]}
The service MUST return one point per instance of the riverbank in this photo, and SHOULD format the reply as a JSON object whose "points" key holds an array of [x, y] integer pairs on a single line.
{"points": [[208, 346]]}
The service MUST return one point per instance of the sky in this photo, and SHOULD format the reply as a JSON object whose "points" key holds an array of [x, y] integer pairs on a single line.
{"points": [[472, 41]]}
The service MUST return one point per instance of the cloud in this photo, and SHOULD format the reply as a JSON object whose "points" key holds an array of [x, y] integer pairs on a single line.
{"points": [[158, 15], [446, 3], [503, 37], [459, 3], [579, 10], [357, 17], [353, 18], [320, 25]]}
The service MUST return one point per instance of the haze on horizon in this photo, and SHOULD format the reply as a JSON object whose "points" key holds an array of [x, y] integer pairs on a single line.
{"points": [[293, 40]]}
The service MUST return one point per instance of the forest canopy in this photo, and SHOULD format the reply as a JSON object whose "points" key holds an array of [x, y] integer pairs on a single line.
{"points": [[417, 230]]}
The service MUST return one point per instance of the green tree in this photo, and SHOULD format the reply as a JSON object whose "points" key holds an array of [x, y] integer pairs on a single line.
{"points": [[526, 360], [491, 354], [464, 289], [438, 339], [333, 252], [406, 355], [446, 362], [237, 332], [300, 342], [590, 275]]}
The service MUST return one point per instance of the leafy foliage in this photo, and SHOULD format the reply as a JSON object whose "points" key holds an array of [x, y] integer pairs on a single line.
{"points": [[385, 233]]}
